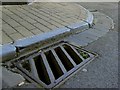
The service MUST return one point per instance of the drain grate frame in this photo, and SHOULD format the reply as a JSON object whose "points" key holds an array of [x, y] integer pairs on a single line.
{"points": [[53, 65]]}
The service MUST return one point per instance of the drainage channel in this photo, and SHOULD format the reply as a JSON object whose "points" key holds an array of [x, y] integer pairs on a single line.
{"points": [[52, 65]]}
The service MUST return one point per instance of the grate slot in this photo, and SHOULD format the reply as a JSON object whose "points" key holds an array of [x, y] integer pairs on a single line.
{"points": [[59, 61], [68, 56], [42, 72], [66, 62], [73, 54], [76, 51], [53, 64], [52, 78], [33, 68], [26, 65]]}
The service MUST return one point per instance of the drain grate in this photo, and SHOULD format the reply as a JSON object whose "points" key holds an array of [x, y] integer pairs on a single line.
{"points": [[54, 64]]}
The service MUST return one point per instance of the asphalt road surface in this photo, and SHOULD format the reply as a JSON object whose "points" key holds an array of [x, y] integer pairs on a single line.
{"points": [[103, 71]]}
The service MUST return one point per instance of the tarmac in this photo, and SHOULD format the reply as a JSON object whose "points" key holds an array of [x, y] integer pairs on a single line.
{"points": [[103, 71]]}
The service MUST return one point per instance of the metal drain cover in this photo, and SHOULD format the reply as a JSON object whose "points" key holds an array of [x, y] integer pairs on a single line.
{"points": [[54, 64]]}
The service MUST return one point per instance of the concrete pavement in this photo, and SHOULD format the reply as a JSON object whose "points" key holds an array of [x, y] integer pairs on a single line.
{"points": [[23, 21]]}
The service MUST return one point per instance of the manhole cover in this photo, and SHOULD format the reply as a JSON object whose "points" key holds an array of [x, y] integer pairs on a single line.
{"points": [[52, 65]]}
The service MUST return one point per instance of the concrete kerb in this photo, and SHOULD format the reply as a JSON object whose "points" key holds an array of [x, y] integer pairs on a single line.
{"points": [[87, 22], [38, 38], [90, 17], [9, 50]]}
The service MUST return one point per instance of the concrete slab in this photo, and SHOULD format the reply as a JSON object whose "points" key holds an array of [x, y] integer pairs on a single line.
{"points": [[5, 38], [90, 35], [102, 25], [75, 41], [10, 79]]}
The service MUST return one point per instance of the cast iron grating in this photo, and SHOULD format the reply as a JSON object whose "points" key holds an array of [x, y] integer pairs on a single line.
{"points": [[52, 65]]}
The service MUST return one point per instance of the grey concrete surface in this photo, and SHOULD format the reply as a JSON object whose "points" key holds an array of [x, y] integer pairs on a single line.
{"points": [[23, 21], [10, 79], [103, 71], [102, 25], [108, 8]]}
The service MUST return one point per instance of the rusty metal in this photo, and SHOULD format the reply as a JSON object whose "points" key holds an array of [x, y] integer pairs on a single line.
{"points": [[51, 66]]}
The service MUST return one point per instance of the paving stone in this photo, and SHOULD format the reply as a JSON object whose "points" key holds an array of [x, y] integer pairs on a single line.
{"points": [[42, 13], [42, 27], [24, 31], [32, 16], [36, 31], [3, 22], [17, 18], [6, 11], [32, 12], [38, 15], [43, 22], [0, 13], [55, 19], [60, 21], [56, 24], [8, 29], [27, 25], [19, 13], [5, 38], [16, 36], [7, 20], [22, 10], [4, 16], [43, 17], [13, 23], [69, 20], [52, 27], [29, 19], [56, 16], [0, 27]]}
